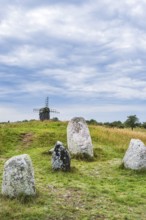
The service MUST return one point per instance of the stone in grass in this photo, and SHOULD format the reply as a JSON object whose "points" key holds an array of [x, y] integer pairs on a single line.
{"points": [[60, 158], [18, 177], [135, 156], [78, 137]]}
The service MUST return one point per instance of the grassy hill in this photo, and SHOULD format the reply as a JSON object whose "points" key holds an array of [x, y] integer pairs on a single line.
{"points": [[96, 190]]}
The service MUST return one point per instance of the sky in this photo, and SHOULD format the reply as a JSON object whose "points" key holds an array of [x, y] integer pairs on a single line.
{"points": [[88, 56]]}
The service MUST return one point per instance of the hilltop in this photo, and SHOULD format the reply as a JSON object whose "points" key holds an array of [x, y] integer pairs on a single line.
{"points": [[95, 190]]}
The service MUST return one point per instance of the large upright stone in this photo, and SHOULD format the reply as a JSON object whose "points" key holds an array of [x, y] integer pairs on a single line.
{"points": [[18, 177], [78, 137], [60, 157], [135, 156]]}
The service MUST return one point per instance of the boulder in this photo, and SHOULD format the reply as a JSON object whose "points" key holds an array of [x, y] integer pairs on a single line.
{"points": [[60, 158], [18, 177], [135, 156], [78, 137]]}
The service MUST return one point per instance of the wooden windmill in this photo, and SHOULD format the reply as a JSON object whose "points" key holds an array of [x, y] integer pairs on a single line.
{"points": [[44, 113]]}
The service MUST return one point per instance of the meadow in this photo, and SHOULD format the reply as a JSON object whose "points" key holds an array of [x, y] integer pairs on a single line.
{"points": [[93, 190]]}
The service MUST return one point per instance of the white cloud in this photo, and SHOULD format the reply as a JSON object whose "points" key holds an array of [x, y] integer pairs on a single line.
{"points": [[87, 82], [38, 87], [28, 56], [65, 22], [9, 113], [88, 50]]}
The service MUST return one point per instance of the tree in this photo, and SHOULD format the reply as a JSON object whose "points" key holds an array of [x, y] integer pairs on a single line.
{"points": [[144, 125], [92, 122], [117, 124], [132, 121], [55, 119]]}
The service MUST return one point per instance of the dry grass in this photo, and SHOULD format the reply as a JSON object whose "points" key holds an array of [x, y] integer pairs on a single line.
{"points": [[119, 138]]}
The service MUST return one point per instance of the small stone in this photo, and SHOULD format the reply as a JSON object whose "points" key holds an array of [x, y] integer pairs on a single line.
{"points": [[60, 157], [51, 150], [78, 137], [18, 177], [135, 156]]}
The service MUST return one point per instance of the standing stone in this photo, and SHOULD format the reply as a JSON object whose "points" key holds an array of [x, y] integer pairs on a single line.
{"points": [[18, 177], [78, 137], [135, 156], [60, 158]]}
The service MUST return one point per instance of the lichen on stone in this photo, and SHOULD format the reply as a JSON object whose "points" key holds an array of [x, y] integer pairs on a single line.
{"points": [[18, 177]]}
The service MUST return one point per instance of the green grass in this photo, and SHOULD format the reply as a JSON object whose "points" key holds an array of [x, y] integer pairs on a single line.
{"points": [[96, 190]]}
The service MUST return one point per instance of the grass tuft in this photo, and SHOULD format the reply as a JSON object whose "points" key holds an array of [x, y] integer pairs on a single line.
{"points": [[82, 156], [25, 199], [103, 189]]}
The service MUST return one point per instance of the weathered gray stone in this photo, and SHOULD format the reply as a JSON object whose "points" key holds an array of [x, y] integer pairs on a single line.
{"points": [[60, 158], [18, 177], [78, 137], [135, 156]]}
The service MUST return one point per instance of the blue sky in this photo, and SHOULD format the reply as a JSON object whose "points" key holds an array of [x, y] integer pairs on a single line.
{"points": [[87, 56]]}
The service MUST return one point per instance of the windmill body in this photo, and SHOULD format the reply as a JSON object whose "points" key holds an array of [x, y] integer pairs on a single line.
{"points": [[44, 113]]}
